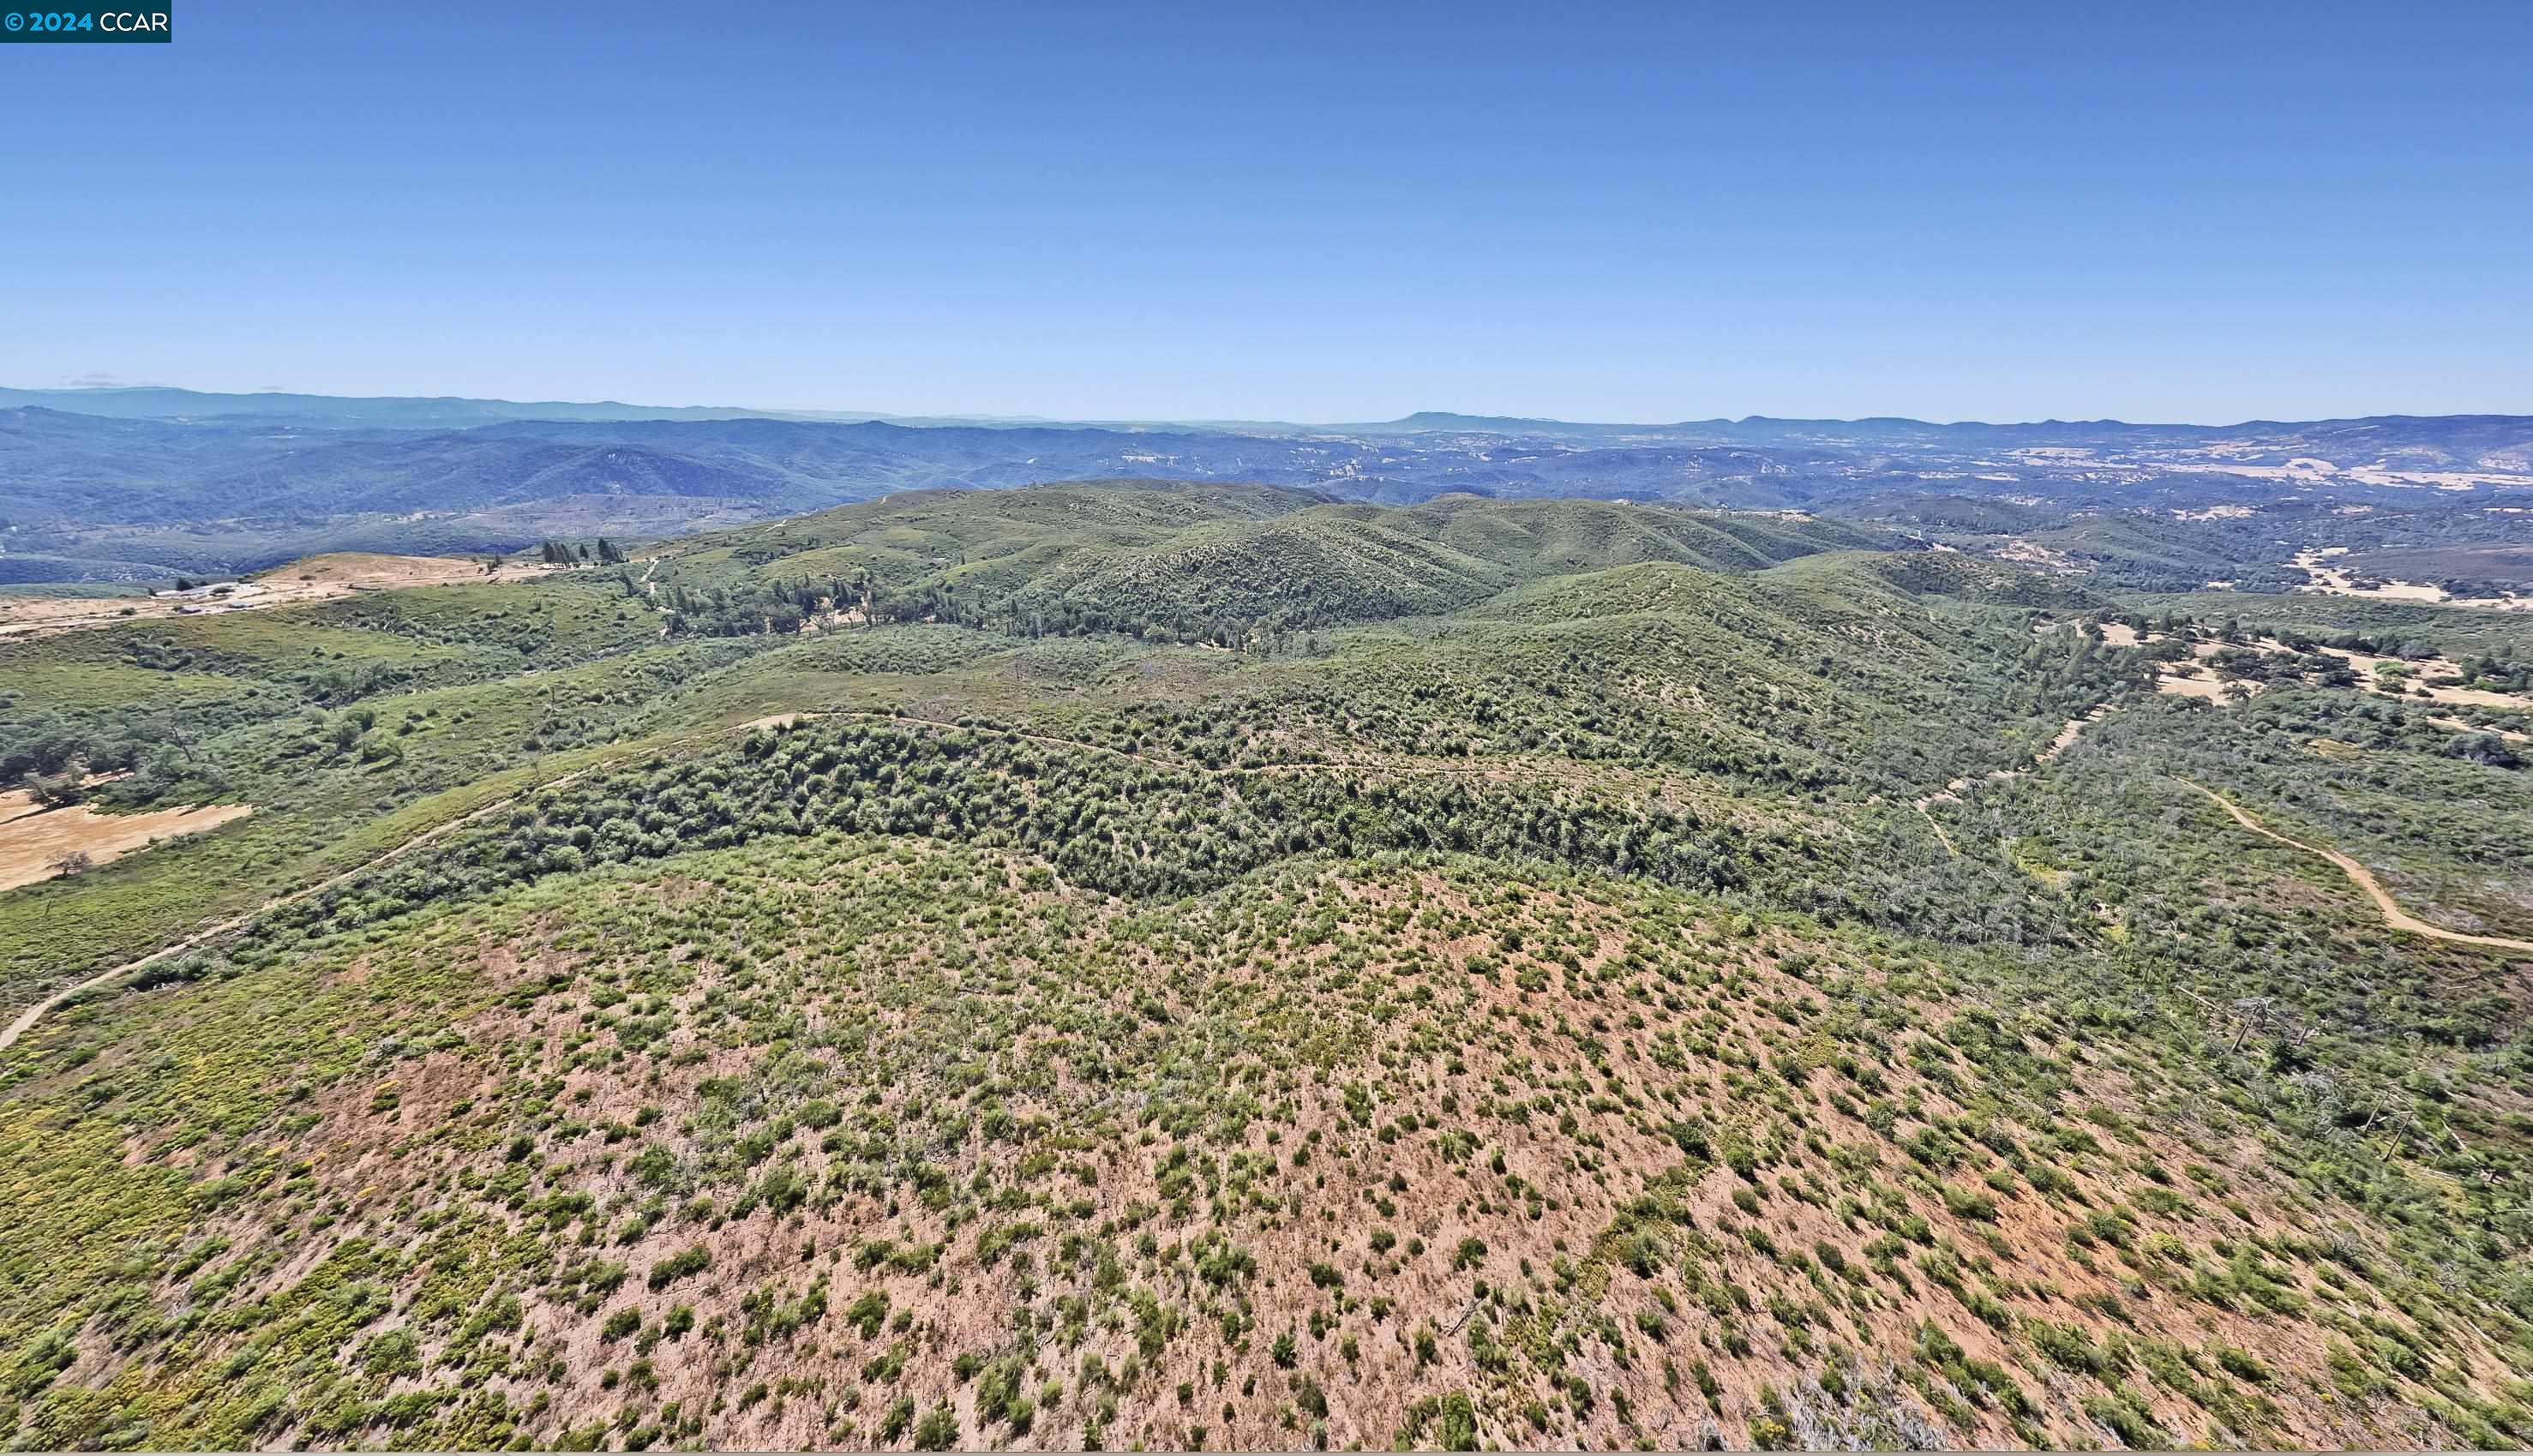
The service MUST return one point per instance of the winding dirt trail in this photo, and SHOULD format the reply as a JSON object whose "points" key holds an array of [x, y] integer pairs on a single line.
{"points": [[1951, 793], [2394, 914], [27, 1018], [2364, 879], [32, 1015]]}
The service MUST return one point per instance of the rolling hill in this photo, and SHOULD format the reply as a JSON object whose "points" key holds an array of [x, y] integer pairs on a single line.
{"points": [[229, 482], [1203, 558]]}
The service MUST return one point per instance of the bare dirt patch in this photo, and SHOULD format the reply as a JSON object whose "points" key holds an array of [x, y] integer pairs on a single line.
{"points": [[2338, 581], [42, 616], [318, 578], [2419, 680], [32, 843], [2034, 554], [375, 570], [2212, 689]]}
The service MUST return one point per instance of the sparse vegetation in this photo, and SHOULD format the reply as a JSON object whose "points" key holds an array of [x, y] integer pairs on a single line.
{"points": [[1548, 1022]]}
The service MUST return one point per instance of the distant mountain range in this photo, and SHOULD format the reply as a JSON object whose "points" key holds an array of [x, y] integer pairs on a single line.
{"points": [[450, 412], [2466, 431], [330, 411], [163, 476]]}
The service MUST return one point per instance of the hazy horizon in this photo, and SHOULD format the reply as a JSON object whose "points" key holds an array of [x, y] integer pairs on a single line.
{"points": [[839, 413], [2167, 213]]}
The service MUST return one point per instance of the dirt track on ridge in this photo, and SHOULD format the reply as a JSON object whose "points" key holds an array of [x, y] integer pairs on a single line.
{"points": [[2364, 878]]}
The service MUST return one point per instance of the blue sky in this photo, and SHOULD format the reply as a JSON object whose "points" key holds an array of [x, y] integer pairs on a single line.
{"points": [[1291, 211]]}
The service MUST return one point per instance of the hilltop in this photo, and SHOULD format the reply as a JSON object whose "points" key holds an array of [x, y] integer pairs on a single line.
{"points": [[1202, 560]]}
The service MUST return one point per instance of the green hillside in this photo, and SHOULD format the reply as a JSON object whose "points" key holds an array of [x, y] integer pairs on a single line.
{"points": [[1212, 562], [1313, 568], [1210, 967], [1542, 536], [909, 536]]}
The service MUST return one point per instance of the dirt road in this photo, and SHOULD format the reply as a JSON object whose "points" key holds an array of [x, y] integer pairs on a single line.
{"points": [[31, 1015], [2364, 878], [1951, 793], [35, 1013], [27, 1018]]}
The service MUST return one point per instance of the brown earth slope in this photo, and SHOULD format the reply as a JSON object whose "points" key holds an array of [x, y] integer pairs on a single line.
{"points": [[865, 1143]]}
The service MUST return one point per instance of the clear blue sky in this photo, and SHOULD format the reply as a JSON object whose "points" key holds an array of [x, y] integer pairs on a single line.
{"points": [[2202, 212]]}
